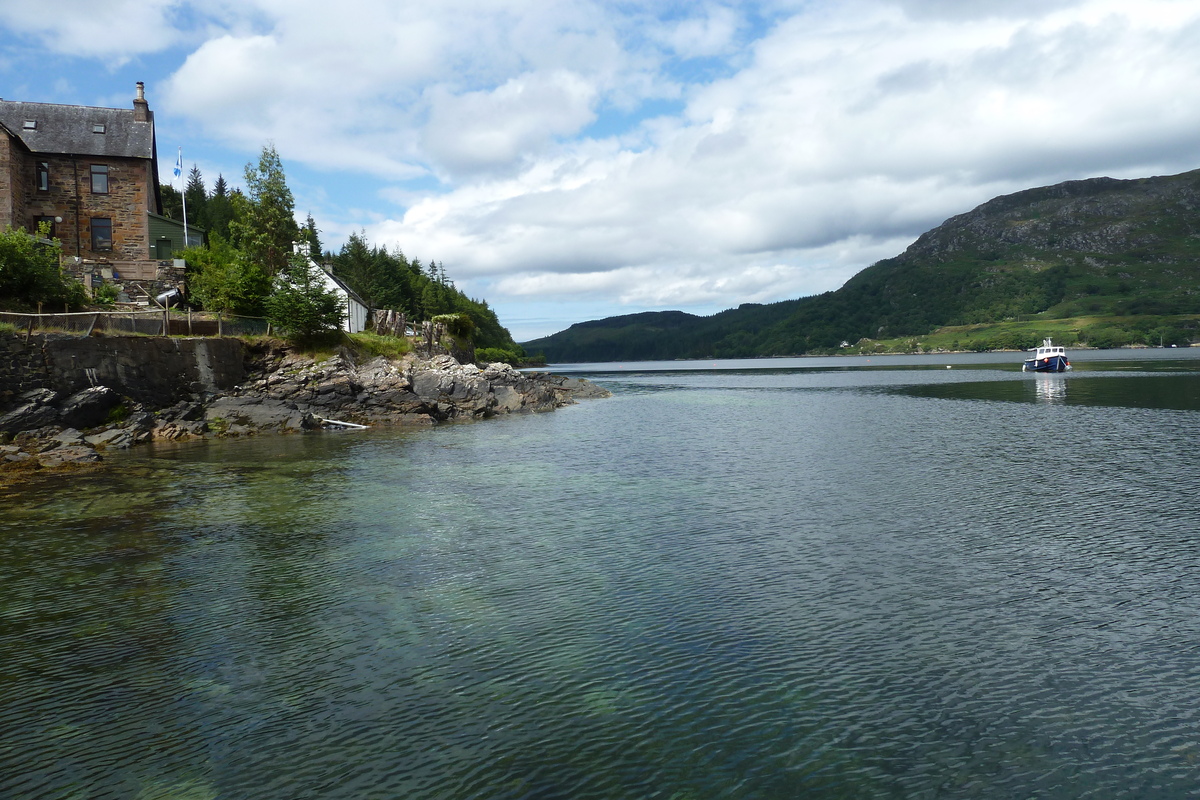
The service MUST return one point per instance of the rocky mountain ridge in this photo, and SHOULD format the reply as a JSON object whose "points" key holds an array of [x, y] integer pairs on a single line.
{"points": [[1099, 246]]}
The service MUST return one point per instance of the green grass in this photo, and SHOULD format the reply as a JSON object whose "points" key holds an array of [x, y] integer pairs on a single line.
{"points": [[1025, 332], [373, 344]]}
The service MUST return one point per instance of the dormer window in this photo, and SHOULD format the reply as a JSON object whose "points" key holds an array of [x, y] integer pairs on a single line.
{"points": [[98, 127], [31, 124]]}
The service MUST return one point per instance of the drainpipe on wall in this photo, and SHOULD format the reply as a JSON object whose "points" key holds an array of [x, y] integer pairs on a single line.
{"points": [[78, 231]]}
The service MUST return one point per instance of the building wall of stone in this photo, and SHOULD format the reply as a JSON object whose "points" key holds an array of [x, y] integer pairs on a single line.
{"points": [[70, 196], [11, 190]]}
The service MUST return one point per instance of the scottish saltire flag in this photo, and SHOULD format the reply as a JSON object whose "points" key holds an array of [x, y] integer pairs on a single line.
{"points": [[179, 164]]}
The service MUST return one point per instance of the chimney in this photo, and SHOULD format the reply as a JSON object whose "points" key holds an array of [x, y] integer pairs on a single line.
{"points": [[141, 109]]}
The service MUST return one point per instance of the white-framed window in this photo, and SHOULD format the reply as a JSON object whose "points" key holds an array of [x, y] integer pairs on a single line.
{"points": [[99, 179]]}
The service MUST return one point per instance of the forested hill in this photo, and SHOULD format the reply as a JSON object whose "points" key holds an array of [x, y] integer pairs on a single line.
{"points": [[1091, 247]]}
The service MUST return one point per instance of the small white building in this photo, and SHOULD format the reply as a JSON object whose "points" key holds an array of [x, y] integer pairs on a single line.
{"points": [[357, 310]]}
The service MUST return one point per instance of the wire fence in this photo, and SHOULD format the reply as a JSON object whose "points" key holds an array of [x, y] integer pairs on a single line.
{"points": [[160, 322]]}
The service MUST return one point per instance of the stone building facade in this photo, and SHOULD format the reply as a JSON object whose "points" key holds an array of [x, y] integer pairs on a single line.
{"points": [[91, 174]]}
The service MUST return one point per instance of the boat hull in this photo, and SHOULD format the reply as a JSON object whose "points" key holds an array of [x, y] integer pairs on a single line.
{"points": [[1049, 364]]}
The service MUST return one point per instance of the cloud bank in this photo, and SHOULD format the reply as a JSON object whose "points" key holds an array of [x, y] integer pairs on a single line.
{"points": [[595, 156]]}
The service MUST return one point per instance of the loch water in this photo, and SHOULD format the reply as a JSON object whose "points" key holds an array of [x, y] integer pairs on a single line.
{"points": [[821, 578]]}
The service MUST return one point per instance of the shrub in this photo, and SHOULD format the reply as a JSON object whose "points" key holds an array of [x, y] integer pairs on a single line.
{"points": [[104, 295], [460, 326], [301, 306], [372, 344], [223, 279], [489, 355], [29, 272]]}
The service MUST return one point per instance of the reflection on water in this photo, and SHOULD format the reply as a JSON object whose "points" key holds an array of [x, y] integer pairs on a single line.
{"points": [[1157, 390], [767, 585], [1049, 389]]}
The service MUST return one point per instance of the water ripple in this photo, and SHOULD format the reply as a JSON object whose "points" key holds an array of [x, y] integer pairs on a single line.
{"points": [[809, 587]]}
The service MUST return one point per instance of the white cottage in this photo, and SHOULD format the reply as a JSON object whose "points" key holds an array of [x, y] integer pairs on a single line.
{"points": [[357, 310]]}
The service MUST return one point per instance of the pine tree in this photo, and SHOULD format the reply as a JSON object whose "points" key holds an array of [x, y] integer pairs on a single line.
{"points": [[301, 305], [219, 209], [309, 233], [196, 197], [265, 225]]}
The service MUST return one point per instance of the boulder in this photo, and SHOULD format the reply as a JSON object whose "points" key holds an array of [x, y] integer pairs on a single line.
{"points": [[89, 407], [35, 410], [245, 414], [74, 454]]}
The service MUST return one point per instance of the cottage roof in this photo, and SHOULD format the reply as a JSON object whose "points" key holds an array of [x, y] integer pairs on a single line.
{"points": [[79, 130], [340, 284]]}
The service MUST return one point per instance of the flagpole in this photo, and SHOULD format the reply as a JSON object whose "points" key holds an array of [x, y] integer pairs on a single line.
{"points": [[183, 194]]}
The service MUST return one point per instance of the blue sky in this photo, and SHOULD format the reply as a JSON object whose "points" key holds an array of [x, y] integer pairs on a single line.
{"points": [[573, 160]]}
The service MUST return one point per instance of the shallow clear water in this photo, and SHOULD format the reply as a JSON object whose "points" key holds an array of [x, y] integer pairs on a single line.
{"points": [[825, 581]]}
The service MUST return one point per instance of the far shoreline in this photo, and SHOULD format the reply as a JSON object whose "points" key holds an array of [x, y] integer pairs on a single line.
{"points": [[698, 364]]}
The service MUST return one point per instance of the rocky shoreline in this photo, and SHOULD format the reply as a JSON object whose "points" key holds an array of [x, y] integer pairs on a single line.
{"points": [[283, 391]]}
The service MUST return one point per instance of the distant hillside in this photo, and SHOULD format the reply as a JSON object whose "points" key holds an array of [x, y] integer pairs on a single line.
{"points": [[1091, 247]]}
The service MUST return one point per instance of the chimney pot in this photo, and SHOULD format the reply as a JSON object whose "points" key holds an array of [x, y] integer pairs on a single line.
{"points": [[141, 109]]}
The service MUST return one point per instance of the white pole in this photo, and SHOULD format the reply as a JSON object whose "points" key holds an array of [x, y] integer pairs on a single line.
{"points": [[183, 194]]}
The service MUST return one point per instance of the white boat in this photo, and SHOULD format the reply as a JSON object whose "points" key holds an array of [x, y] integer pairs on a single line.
{"points": [[1047, 358]]}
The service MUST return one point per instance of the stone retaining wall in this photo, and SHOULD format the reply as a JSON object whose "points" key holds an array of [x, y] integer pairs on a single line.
{"points": [[156, 371], [22, 367]]}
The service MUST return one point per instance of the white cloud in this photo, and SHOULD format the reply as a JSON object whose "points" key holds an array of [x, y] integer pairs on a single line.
{"points": [[712, 32], [112, 30], [515, 121], [530, 148], [843, 132]]}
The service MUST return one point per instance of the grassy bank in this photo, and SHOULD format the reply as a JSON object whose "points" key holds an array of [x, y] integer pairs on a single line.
{"points": [[1022, 334]]}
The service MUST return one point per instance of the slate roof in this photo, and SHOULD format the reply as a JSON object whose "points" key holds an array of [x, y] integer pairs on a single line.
{"points": [[69, 129], [340, 284]]}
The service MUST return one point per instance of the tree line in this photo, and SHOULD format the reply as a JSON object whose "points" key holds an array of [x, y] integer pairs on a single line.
{"points": [[248, 266]]}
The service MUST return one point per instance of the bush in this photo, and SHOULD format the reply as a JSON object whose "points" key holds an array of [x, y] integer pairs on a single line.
{"points": [[301, 306], [221, 278], [459, 326], [1105, 336], [489, 355], [104, 295], [372, 344], [29, 272]]}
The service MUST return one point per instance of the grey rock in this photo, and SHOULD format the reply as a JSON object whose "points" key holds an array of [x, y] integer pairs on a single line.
{"points": [[256, 413], [28, 416], [112, 439], [69, 436], [139, 421], [75, 454], [89, 407]]}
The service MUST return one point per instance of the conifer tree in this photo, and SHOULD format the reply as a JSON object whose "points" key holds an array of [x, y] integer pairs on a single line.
{"points": [[301, 305], [309, 233], [219, 209], [196, 197], [264, 225]]}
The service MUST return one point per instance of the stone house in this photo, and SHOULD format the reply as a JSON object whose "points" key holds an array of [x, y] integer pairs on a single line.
{"points": [[92, 175]]}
